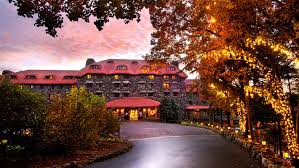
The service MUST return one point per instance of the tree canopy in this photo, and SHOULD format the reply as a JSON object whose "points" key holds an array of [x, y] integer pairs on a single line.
{"points": [[50, 14]]}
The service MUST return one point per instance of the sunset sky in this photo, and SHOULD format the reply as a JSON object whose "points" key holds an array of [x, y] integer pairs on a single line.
{"points": [[24, 46]]}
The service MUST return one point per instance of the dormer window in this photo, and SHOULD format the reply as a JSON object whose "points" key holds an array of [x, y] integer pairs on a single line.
{"points": [[94, 67], [134, 62], [30, 77], [13, 77], [68, 77], [171, 68], [110, 62], [121, 67], [49, 77], [88, 76]]}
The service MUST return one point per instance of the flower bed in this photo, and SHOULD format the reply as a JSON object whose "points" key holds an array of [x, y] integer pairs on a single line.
{"points": [[265, 155]]}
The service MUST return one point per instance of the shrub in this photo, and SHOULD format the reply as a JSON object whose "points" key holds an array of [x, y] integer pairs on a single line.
{"points": [[22, 116], [77, 120], [169, 111]]}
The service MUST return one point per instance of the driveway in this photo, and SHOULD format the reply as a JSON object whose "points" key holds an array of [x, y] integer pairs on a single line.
{"points": [[141, 129], [158, 145]]}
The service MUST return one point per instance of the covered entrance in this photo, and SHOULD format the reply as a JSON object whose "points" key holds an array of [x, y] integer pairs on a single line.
{"points": [[135, 108]]}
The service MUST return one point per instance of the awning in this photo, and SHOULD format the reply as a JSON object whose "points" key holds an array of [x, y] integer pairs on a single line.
{"points": [[196, 107], [132, 102]]}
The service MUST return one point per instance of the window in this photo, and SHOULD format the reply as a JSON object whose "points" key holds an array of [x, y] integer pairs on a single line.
{"points": [[134, 62], [166, 85], [99, 93], [89, 85], [94, 67], [49, 77], [151, 77], [13, 76], [167, 93], [151, 85], [171, 68], [98, 85], [165, 77], [125, 85], [88, 76], [110, 61], [116, 85], [121, 67], [142, 77], [174, 85], [126, 76], [175, 94], [30, 77], [151, 94], [116, 77], [68, 77], [126, 94], [173, 77], [141, 85], [41, 86], [116, 94]]}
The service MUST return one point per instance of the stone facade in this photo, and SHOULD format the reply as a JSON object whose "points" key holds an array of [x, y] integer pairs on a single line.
{"points": [[112, 78]]}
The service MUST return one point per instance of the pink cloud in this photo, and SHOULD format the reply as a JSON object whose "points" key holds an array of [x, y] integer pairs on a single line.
{"points": [[23, 46]]}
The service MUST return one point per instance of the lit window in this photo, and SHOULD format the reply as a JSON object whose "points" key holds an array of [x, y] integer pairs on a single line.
{"points": [[151, 77], [94, 67], [116, 77], [49, 77], [166, 85], [165, 77], [88, 76], [173, 77], [121, 67], [171, 68]]}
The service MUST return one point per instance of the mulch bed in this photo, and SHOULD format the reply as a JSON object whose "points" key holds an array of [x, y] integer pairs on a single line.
{"points": [[106, 150]]}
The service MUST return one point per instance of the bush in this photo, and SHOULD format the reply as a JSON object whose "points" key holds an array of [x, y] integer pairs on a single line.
{"points": [[169, 111], [22, 116], [77, 120]]}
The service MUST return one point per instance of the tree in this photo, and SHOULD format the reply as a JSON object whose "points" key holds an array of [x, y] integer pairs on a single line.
{"points": [[22, 115], [77, 120], [169, 110], [232, 44], [50, 13], [89, 61]]}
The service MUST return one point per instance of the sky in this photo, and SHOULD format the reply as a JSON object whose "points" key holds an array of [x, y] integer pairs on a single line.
{"points": [[24, 46]]}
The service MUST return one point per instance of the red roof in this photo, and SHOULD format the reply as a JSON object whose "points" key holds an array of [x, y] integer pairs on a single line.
{"points": [[58, 77], [132, 102], [134, 67], [196, 107]]}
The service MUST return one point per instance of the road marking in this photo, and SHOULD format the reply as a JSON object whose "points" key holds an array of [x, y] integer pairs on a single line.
{"points": [[171, 136]]}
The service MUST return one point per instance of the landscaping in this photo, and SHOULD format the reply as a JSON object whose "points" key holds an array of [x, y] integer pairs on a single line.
{"points": [[67, 130]]}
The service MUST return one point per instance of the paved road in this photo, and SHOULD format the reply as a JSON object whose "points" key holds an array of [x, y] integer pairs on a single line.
{"points": [[175, 146]]}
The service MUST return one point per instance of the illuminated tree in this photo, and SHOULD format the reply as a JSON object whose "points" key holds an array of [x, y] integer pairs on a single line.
{"points": [[232, 44]]}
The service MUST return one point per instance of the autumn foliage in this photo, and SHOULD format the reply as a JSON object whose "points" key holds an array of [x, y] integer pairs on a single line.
{"points": [[77, 120]]}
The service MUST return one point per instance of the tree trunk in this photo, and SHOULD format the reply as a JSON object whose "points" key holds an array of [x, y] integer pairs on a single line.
{"points": [[247, 106], [221, 121]]}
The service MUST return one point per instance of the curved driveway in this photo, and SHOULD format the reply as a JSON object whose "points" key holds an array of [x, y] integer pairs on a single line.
{"points": [[158, 145]]}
